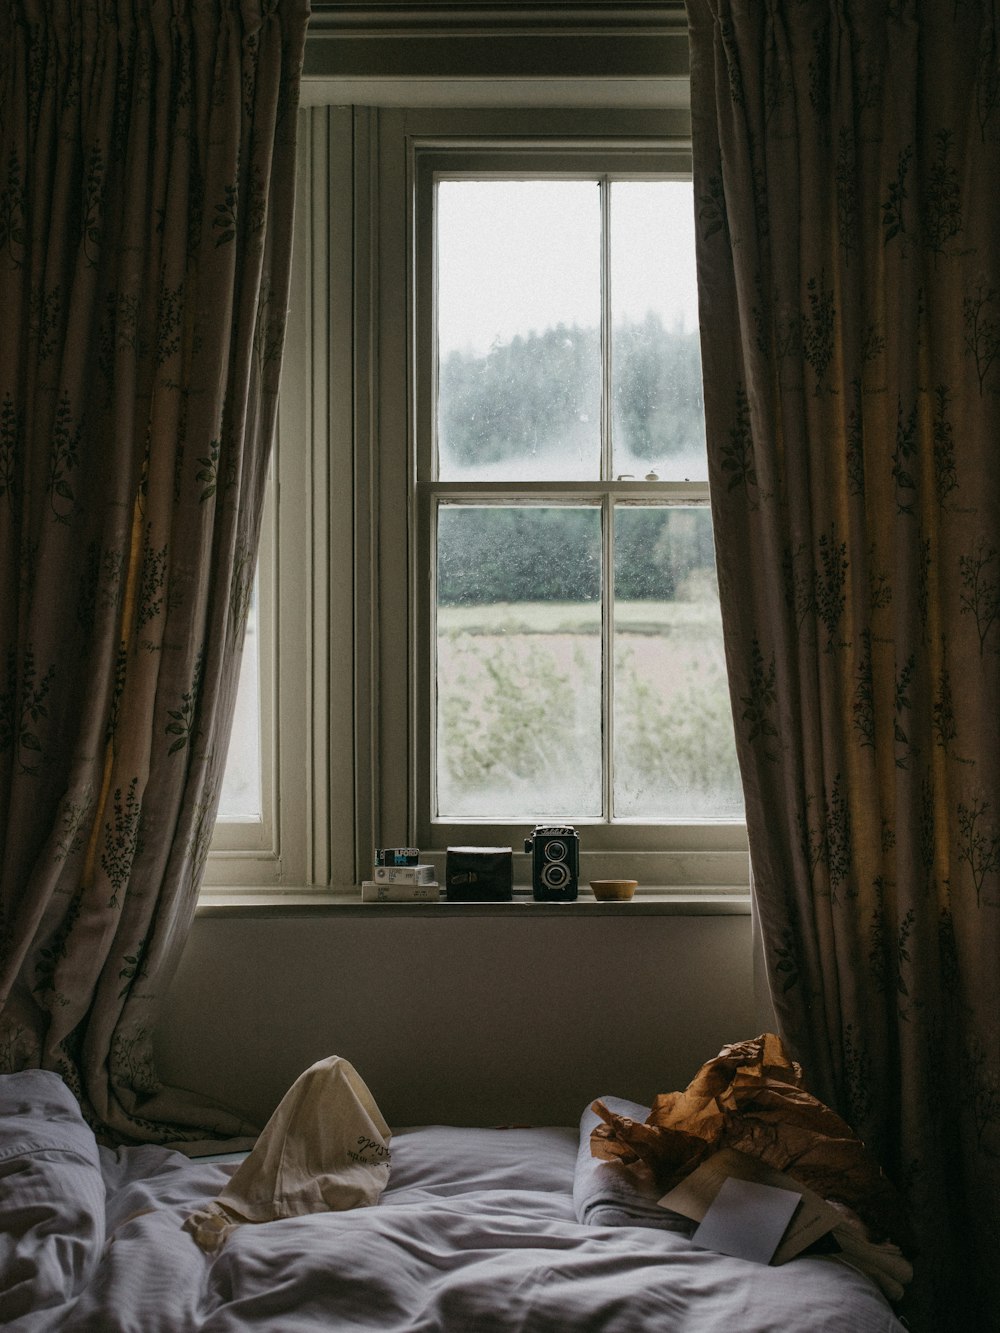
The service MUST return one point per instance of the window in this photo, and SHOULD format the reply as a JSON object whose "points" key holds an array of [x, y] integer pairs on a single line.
{"points": [[491, 537], [565, 641], [245, 824], [242, 798], [577, 666]]}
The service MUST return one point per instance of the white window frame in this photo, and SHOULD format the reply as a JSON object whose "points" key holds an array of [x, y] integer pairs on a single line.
{"points": [[412, 146], [340, 681], [304, 840]]}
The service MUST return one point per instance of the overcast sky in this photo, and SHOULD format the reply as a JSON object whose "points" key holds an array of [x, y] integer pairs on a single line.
{"points": [[522, 256]]}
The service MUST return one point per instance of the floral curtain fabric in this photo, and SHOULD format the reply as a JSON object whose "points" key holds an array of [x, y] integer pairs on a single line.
{"points": [[849, 269], [146, 176]]}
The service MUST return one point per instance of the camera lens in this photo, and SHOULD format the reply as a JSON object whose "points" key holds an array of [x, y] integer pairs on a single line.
{"points": [[554, 875], [555, 850]]}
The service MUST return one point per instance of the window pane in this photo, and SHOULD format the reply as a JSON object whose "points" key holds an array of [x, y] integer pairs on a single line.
{"points": [[518, 330], [674, 751], [518, 662], [658, 415], [241, 794]]}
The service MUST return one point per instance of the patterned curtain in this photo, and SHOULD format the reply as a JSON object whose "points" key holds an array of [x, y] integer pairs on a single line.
{"points": [[146, 177], [847, 157]]}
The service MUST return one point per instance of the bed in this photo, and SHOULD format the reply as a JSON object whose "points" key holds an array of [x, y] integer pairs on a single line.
{"points": [[477, 1229]]}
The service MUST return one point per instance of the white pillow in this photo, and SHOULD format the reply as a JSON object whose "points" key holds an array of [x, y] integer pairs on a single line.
{"points": [[51, 1195]]}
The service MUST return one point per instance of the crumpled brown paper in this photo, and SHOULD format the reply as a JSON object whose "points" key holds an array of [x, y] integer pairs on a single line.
{"points": [[751, 1097]]}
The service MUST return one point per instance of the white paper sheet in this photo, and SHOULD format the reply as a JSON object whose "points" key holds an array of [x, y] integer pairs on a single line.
{"points": [[746, 1220]]}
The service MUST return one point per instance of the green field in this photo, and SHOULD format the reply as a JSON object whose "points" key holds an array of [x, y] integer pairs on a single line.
{"points": [[520, 711]]}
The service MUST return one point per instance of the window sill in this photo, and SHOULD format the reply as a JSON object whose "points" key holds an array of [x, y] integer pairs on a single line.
{"points": [[651, 902]]}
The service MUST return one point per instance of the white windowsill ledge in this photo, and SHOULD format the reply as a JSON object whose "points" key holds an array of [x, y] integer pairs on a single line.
{"points": [[650, 902]]}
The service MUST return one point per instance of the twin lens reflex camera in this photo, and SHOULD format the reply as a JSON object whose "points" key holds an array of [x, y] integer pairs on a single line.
{"points": [[555, 863]]}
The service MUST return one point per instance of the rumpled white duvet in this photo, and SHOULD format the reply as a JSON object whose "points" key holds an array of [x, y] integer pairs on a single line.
{"points": [[476, 1231]]}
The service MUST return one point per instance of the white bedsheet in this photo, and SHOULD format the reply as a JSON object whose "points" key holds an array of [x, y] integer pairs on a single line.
{"points": [[476, 1231]]}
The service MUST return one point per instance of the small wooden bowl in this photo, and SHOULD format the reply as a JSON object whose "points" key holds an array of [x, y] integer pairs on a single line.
{"points": [[613, 890]]}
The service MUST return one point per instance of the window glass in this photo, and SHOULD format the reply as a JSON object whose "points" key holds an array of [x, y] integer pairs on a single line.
{"points": [[659, 420], [518, 661], [568, 354], [518, 329], [674, 751], [240, 798]]}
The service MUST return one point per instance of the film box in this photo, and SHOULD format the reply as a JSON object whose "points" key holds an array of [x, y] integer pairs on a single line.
{"points": [[419, 874], [373, 892], [397, 856]]}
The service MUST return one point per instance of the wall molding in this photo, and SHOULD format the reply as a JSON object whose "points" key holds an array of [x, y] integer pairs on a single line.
{"points": [[461, 43], [403, 18]]}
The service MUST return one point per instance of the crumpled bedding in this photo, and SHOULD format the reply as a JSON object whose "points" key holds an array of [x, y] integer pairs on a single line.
{"points": [[476, 1229], [52, 1196], [751, 1097], [606, 1195]]}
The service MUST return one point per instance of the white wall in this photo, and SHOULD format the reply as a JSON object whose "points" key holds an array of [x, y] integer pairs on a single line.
{"points": [[513, 1017]]}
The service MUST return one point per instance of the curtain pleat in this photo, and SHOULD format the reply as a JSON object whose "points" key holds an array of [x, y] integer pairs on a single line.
{"points": [[849, 280], [147, 169]]}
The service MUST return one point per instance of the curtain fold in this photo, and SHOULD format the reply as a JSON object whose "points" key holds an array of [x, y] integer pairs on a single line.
{"points": [[845, 156], [146, 189]]}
